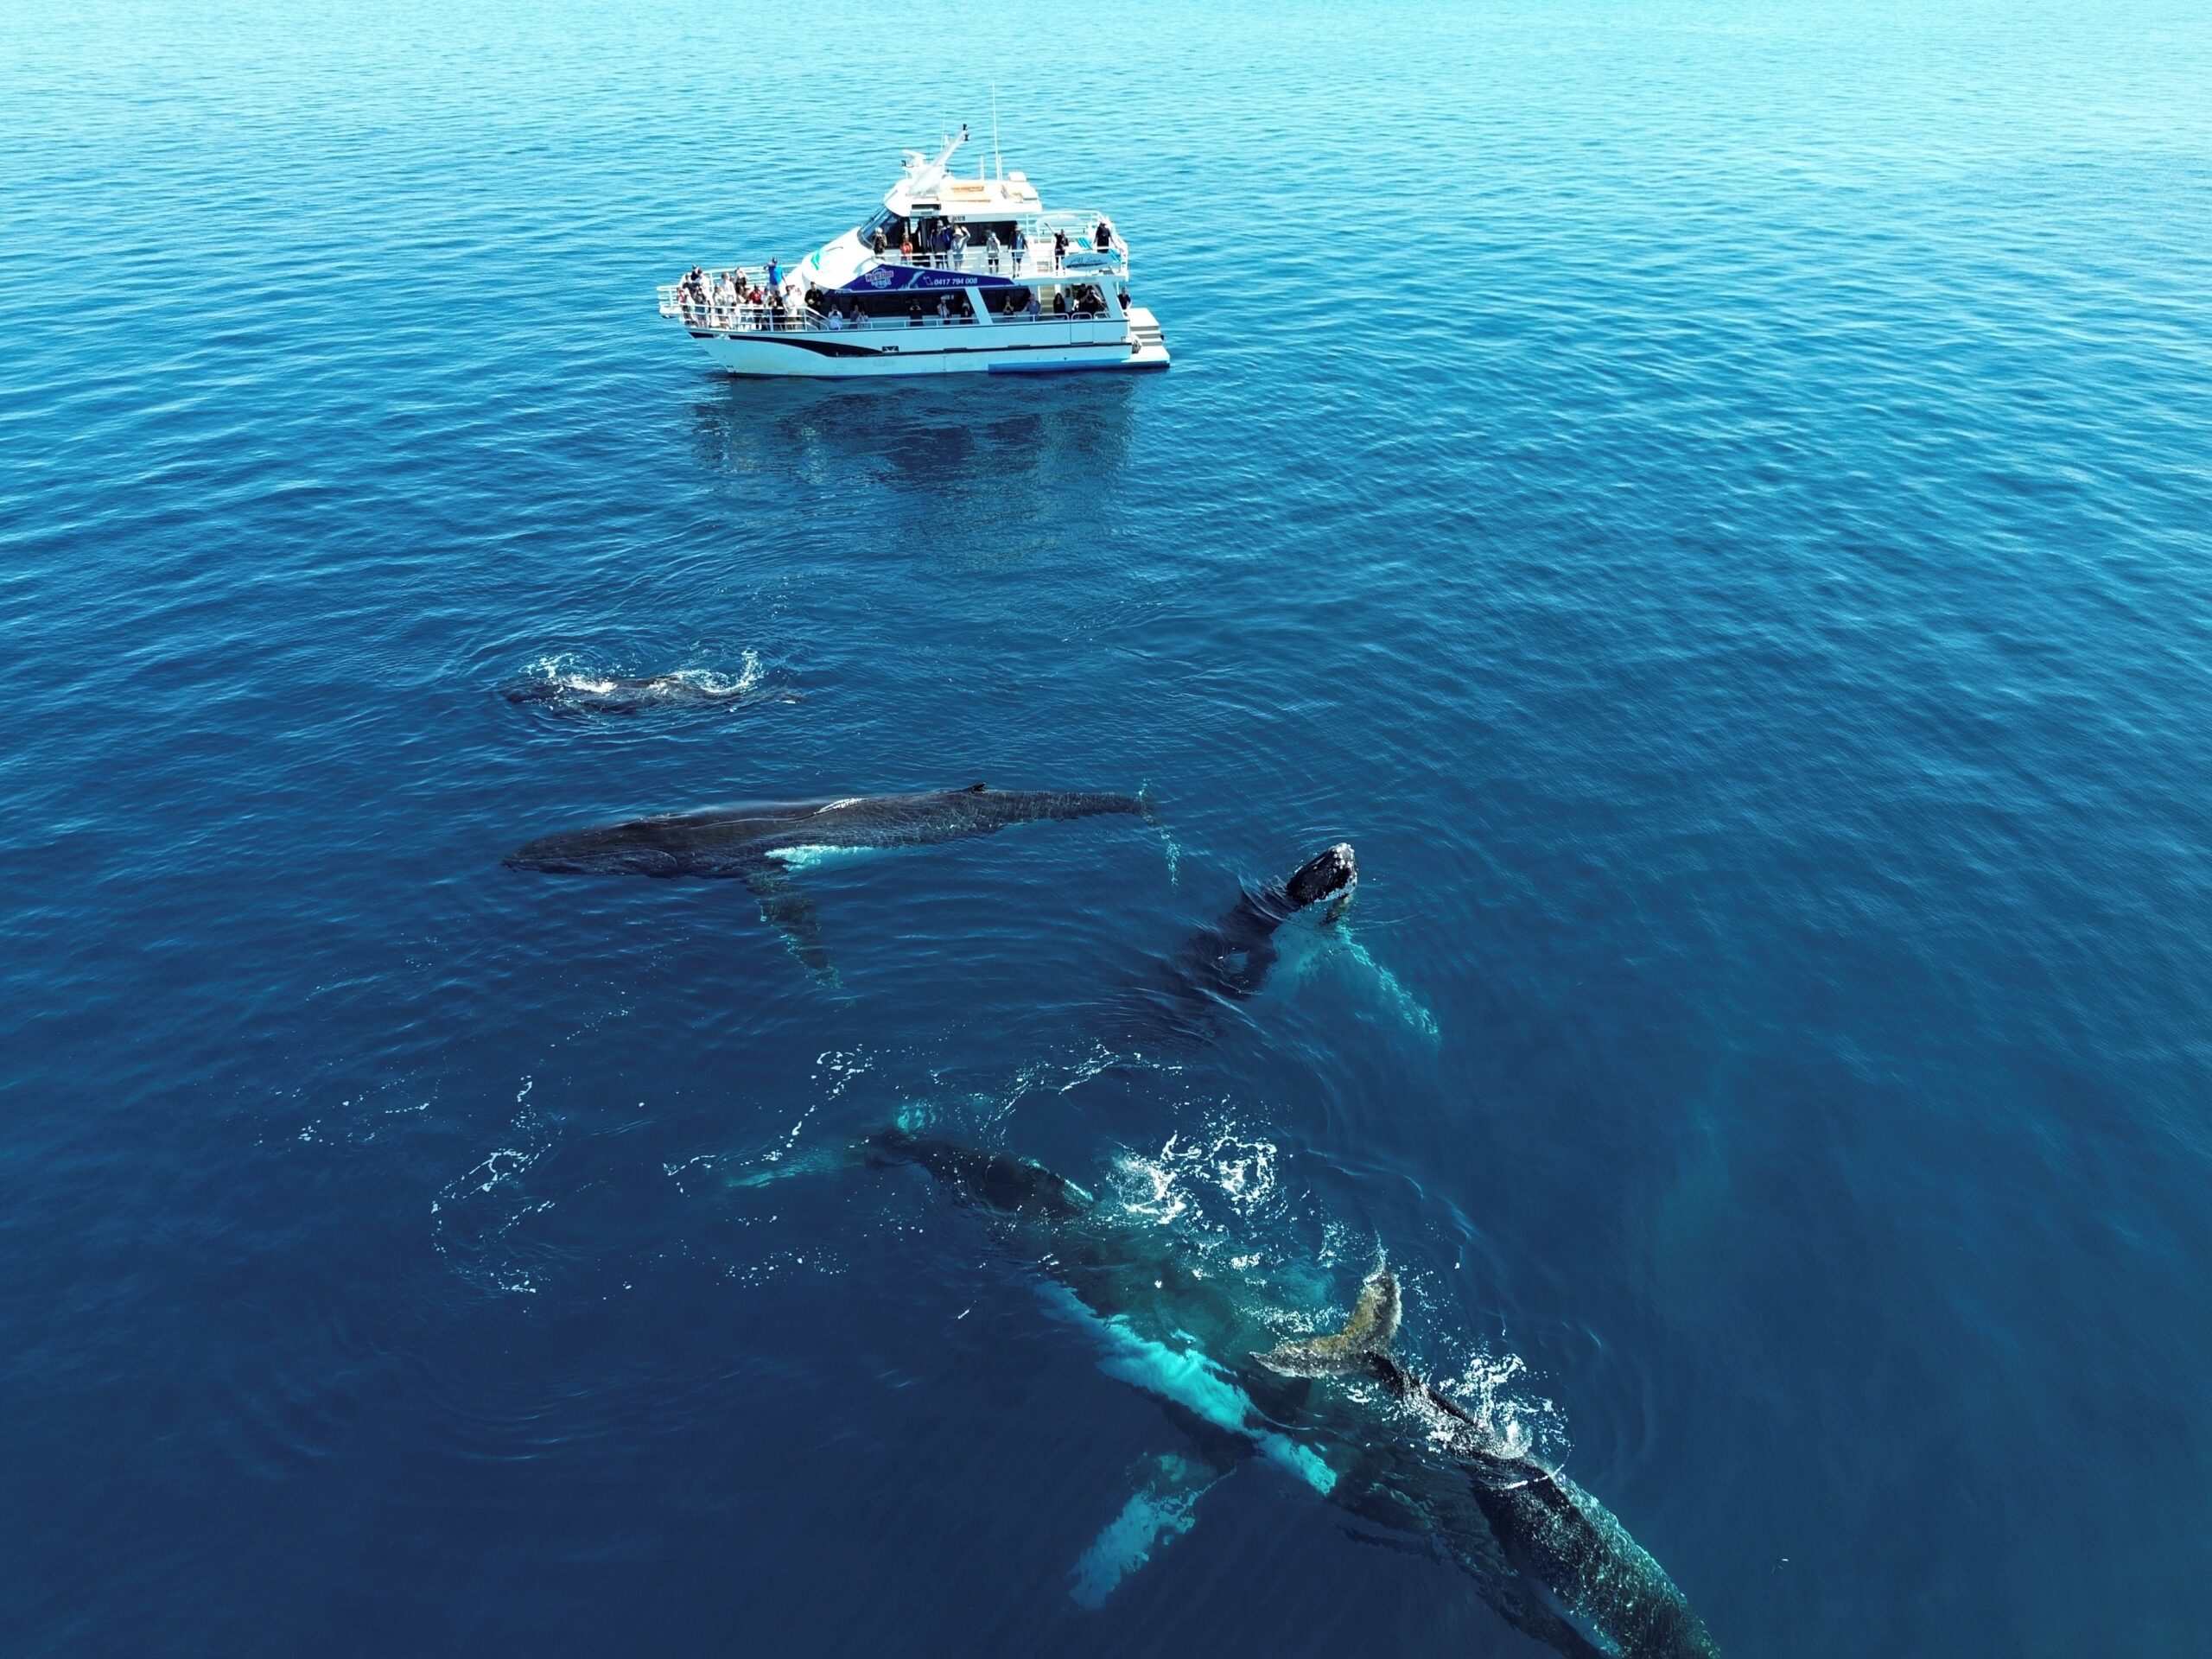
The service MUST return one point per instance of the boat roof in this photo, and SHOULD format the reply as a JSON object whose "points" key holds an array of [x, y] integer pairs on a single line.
{"points": [[928, 187]]}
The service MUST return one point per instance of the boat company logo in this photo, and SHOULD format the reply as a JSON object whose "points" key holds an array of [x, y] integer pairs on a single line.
{"points": [[879, 277]]}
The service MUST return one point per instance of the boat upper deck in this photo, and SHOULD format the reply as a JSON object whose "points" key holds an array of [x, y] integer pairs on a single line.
{"points": [[941, 250]]}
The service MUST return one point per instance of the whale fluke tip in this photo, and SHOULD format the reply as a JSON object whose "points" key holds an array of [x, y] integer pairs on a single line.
{"points": [[1371, 1329]]}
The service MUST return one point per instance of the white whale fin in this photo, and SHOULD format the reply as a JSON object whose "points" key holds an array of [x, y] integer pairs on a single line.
{"points": [[1162, 1509], [1371, 1329], [791, 914], [1334, 944]]}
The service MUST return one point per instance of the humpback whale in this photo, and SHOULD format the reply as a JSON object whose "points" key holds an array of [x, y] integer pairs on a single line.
{"points": [[1341, 1412], [1229, 958], [583, 691], [759, 842]]}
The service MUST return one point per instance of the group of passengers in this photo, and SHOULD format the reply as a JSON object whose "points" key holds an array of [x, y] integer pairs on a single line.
{"points": [[1016, 305], [941, 241], [700, 292], [946, 241], [726, 297]]}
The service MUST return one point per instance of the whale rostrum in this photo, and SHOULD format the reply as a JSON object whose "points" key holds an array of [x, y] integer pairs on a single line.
{"points": [[1341, 1412], [759, 842]]}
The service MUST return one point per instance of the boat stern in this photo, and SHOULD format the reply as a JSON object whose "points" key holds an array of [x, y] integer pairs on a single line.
{"points": [[1149, 347]]}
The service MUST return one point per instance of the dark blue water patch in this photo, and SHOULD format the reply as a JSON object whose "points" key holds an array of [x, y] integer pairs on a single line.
{"points": [[1711, 506]]}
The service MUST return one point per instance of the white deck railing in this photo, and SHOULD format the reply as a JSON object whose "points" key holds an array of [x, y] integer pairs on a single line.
{"points": [[723, 317], [1037, 264]]}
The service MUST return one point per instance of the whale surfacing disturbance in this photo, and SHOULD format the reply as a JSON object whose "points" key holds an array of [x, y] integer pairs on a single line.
{"points": [[565, 689], [755, 841], [1344, 1413]]}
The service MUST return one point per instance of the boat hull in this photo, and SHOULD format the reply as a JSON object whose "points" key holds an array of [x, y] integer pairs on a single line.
{"points": [[1031, 349]]}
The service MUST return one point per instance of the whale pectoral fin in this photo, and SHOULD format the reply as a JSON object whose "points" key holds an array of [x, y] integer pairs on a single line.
{"points": [[1162, 1509], [791, 914]]}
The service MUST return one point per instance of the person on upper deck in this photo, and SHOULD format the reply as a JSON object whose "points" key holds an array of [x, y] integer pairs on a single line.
{"points": [[991, 248], [907, 246], [1020, 247], [875, 241], [1059, 248], [1104, 241]]}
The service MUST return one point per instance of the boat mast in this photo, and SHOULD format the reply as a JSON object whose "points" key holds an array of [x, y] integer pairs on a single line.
{"points": [[997, 158]]}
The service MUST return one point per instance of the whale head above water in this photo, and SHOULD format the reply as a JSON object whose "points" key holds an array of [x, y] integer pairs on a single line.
{"points": [[1328, 872], [1228, 961]]}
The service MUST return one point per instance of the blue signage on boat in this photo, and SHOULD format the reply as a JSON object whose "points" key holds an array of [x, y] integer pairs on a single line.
{"points": [[890, 279]]}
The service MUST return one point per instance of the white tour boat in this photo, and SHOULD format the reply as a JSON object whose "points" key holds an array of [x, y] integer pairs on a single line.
{"points": [[953, 275]]}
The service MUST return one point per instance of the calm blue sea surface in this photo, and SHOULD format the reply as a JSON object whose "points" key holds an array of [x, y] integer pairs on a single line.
{"points": [[1713, 501]]}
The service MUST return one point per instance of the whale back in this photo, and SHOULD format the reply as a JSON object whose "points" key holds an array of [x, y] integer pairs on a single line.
{"points": [[994, 1180], [735, 840], [718, 841]]}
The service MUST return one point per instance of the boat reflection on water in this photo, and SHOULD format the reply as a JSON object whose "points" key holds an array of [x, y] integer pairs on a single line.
{"points": [[990, 450]]}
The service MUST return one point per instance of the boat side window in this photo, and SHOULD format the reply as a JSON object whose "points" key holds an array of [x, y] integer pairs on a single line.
{"points": [[872, 305]]}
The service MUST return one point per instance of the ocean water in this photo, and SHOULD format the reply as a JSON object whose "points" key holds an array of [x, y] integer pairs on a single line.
{"points": [[1712, 502]]}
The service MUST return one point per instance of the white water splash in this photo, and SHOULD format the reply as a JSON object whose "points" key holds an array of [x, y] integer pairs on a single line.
{"points": [[569, 676], [1192, 1176], [476, 1217]]}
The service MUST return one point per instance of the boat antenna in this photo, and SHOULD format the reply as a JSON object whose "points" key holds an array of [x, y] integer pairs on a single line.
{"points": [[995, 156]]}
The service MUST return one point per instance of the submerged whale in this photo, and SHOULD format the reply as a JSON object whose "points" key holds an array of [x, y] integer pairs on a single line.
{"points": [[584, 691], [758, 842], [1340, 1411], [1228, 959]]}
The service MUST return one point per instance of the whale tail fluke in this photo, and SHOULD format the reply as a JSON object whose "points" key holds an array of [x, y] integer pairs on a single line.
{"points": [[1371, 1329]]}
